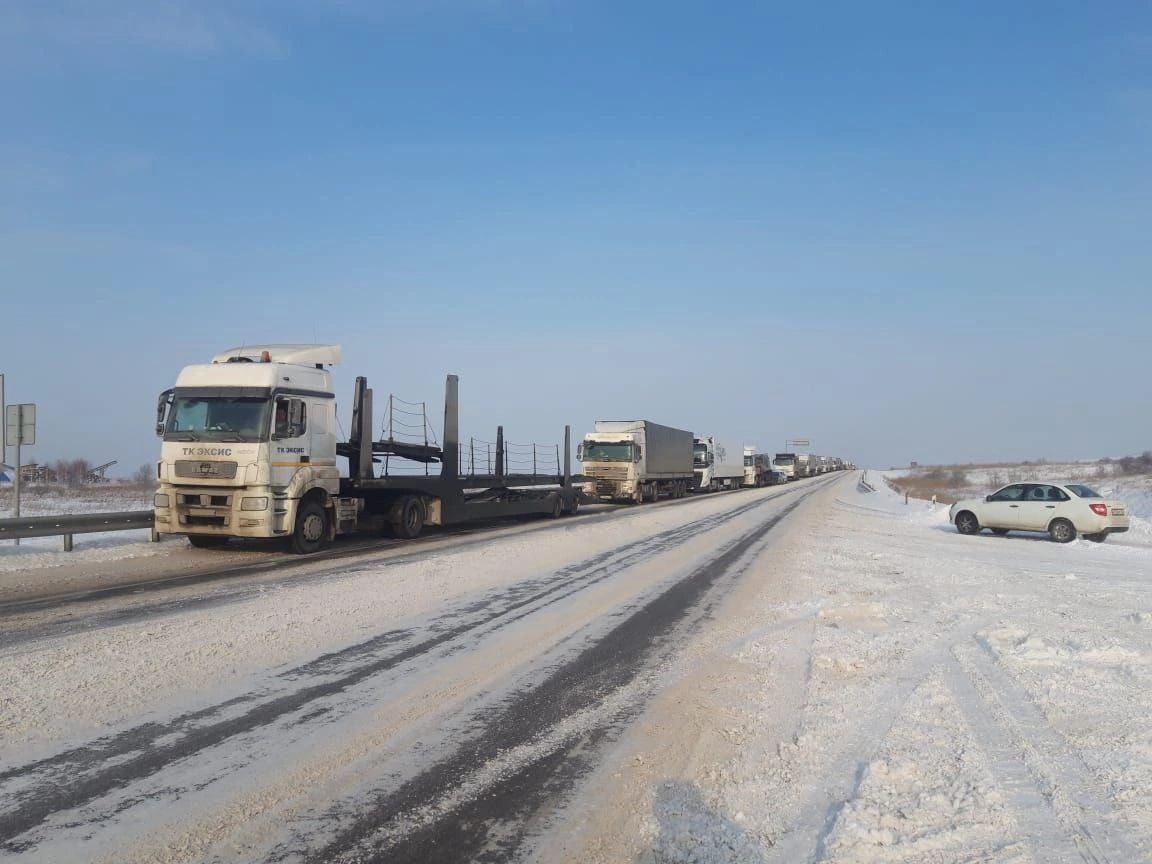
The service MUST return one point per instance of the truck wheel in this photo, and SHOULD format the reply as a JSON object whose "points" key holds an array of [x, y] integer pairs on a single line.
{"points": [[557, 506], [408, 518], [1062, 531], [311, 528], [574, 505], [206, 541]]}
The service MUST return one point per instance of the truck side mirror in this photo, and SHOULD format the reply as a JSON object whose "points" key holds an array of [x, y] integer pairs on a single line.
{"points": [[579, 452], [636, 458], [162, 403]]}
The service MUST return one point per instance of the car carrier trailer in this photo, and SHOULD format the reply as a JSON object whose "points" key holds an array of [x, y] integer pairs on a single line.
{"points": [[250, 450], [409, 502]]}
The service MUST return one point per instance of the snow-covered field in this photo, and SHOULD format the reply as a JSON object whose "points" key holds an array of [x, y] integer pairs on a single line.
{"points": [[42, 552]]}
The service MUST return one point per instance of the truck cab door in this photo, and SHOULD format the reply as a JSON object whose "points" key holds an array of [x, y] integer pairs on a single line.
{"points": [[291, 444]]}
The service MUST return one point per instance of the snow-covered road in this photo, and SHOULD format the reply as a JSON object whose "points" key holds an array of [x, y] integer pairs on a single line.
{"points": [[810, 673], [365, 713]]}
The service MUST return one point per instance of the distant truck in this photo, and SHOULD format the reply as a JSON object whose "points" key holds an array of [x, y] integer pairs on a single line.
{"points": [[250, 450], [804, 466], [785, 463], [636, 460], [757, 468], [708, 474]]}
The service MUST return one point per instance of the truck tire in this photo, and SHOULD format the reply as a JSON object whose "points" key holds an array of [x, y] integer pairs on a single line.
{"points": [[574, 505], [206, 541], [311, 529], [557, 506], [408, 517]]}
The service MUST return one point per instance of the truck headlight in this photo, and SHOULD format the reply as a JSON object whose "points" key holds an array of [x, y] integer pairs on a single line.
{"points": [[160, 499], [254, 503]]}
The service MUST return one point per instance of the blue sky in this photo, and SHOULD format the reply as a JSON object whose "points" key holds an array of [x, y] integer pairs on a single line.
{"points": [[907, 231]]}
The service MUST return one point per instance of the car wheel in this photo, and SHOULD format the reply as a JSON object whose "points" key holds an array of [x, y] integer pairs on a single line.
{"points": [[206, 541], [967, 523], [1097, 538], [311, 528], [999, 532], [1062, 531]]}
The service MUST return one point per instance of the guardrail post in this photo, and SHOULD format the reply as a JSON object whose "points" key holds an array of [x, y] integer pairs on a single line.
{"points": [[67, 542]]}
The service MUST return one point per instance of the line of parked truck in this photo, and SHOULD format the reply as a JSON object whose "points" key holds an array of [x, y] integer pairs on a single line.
{"points": [[250, 450]]}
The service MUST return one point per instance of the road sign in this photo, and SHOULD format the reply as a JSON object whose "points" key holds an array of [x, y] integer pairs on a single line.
{"points": [[20, 424], [800, 442]]}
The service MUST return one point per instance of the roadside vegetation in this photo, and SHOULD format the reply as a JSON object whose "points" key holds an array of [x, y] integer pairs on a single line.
{"points": [[950, 483]]}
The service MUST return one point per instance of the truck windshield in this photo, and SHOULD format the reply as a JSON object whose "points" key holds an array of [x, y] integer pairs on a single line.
{"points": [[699, 455], [217, 419], [785, 459], [596, 452]]}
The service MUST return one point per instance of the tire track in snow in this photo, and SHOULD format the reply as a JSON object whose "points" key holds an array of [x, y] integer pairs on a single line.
{"points": [[426, 819], [806, 839], [1058, 775], [81, 775]]}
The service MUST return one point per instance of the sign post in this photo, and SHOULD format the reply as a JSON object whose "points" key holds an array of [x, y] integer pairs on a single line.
{"points": [[19, 429]]}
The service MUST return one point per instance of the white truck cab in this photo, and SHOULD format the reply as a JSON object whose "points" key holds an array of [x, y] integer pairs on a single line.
{"points": [[249, 447]]}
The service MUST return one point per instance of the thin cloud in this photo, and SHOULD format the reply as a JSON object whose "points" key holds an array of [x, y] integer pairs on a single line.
{"points": [[165, 26]]}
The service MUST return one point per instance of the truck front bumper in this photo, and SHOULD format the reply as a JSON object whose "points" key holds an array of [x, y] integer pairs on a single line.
{"points": [[222, 512]]}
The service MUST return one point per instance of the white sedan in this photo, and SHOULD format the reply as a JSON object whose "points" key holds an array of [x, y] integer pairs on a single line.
{"points": [[1063, 510]]}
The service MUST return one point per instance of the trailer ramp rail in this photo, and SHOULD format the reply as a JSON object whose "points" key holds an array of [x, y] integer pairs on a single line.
{"points": [[76, 523]]}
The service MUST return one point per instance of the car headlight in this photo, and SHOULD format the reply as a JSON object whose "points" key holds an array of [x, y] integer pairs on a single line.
{"points": [[160, 499], [254, 503]]}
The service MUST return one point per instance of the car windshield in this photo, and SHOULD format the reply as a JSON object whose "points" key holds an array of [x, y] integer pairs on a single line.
{"points": [[195, 418], [1083, 491], [596, 452]]}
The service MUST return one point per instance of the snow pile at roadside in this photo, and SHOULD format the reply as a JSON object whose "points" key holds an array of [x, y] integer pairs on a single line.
{"points": [[40, 552], [927, 794]]}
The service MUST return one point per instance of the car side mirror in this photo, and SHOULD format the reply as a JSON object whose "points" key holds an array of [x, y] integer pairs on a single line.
{"points": [[987, 497]]}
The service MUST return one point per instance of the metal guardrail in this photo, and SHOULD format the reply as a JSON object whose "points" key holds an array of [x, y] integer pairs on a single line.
{"points": [[79, 523]]}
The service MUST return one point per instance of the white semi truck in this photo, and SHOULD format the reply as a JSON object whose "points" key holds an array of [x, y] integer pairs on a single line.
{"points": [[250, 450], [757, 468], [636, 460], [709, 474], [785, 463]]}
